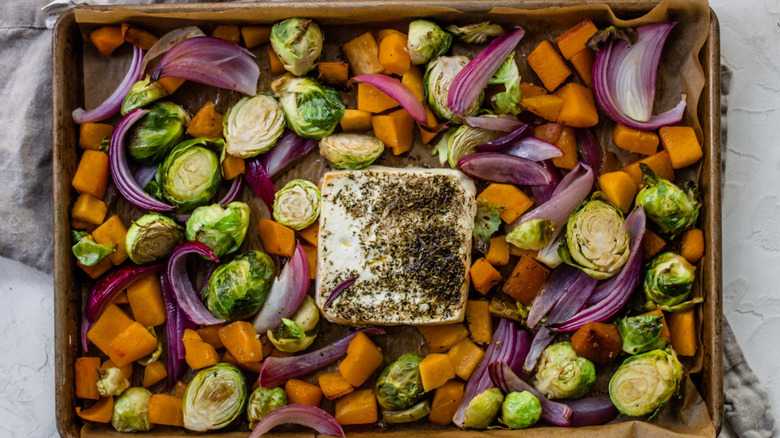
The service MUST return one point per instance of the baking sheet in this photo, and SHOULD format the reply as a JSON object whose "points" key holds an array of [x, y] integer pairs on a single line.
{"points": [[680, 71]]}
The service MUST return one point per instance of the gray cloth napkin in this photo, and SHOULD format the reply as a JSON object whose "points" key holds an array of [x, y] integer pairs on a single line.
{"points": [[26, 204]]}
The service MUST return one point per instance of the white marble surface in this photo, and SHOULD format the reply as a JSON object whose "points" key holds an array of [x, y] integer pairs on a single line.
{"points": [[750, 34]]}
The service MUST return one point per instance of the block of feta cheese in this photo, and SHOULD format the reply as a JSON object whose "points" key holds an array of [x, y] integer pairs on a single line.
{"points": [[405, 233]]}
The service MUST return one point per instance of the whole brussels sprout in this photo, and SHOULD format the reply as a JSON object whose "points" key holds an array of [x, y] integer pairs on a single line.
{"points": [[131, 411], [221, 229], [262, 402], [483, 409], [477, 33], [672, 209], [562, 373], [87, 251], [641, 333], [596, 241], [520, 410], [142, 93], [439, 75], [645, 383], [351, 151], [507, 101], [153, 137], [214, 398], [298, 43], [297, 204], [298, 333], [152, 237], [191, 174], [111, 382], [532, 235], [427, 41], [416, 412], [668, 281], [465, 141], [399, 385], [238, 289], [311, 109], [252, 126]]}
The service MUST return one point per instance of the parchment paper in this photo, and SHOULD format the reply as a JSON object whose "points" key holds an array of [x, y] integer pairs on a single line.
{"points": [[680, 71]]}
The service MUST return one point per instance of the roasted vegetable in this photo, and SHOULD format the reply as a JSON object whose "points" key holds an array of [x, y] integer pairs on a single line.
{"points": [[563, 373], [298, 43], [645, 383], [532, 235], [131, 411], [486, 223], [311, 109], [414, 413], [262, 402], [156, 134], [477, 33], [221, 229], [298, 333], [508, 100], [111, 382], [87, 251], [520, 410], [252, 126], [141, 94], [672, 209], [668, 281], [297, 204], [439, 75], [190, 176], [399, 385], [641, 333], [427, 41], [483, 409], [152, 237], [238, 289], [214, 398], [464, 141], [597, 342], [351, 151]]}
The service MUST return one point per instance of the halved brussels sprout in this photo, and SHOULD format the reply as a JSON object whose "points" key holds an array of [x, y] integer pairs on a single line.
{"points": [[399, 385], [111, 382], [131, 411], [154, 355], [238, 289], [532, 235], [641, 333], [477, 33], [486, 222], [297, 204], [427, 41], [668, 281], [483, 409], [439, 75], [416, 412], [152, 237], [351, 151], [563, 373], [252, 126], [87, 251], [549, 255], [465, 141], [191, 174], [262, 402], [298, 333], [672, 209], [311, 109], [596, 241], [520, 410], [153, 137], [221, 229], [298, 44], [142, 93], [507, 101], [645, 383], [214, 398]]}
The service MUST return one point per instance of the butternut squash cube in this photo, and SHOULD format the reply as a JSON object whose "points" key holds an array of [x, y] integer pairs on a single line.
{"points": [[567, 143], [363, 55], [484, 276], [479, 321], [546, 106], [166, 409], [153, 373], [199, 354], [373, 100], [435, 370], [86, 371], [89, 209], [579, 107], [441, 338], [357, 407], [548, 65], [619, 188], [526, 280], [92, 174], [255, 35], [240, 338], [693, 245], [132, 344], [446, 400], [113, 231], [145, 297], [681, 143], [363, 358], [634, 140], [682, 328], [583, 65], [465, 356], [652, 245], [575, 39], [100, 412], [498, 254], [355, 120], [512, 202], [108, 326], [660, 163]]}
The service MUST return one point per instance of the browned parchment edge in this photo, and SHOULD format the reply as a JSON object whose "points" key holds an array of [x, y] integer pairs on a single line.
{"points": [[68, 93]]}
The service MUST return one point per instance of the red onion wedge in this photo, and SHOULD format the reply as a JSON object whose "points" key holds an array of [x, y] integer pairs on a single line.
{"points": [[339, 289], [288, 150], [277, 370], [287, 292], [542, 194], [111, 106], [534, 149], [85, 327], [175, 324], [614, 294], [303, 415], [590, 149], [120, 170], [260, 182], [495, 123], [561, 279], [542, 339], [110, 285], [591, 411], [505, 140], [169, 40], [143, 175], [624, 78], [573, 299], [553, 412], [233, 193], [474, 77], [519, 352], [398, 92], [501, 168], [211, 61], [181, 286]]}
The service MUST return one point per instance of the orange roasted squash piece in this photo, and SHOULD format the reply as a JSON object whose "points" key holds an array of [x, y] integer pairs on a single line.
{"points": [[498, 253], [107, 38], [255, 35], [619, 188], [92, 174], [303, 393], [652, 245], [681, 143], [479, 321], [207, 123], [446, 400], [358, 407], [100, 412], [311, 257], [166, 409], [89, 209], [583, 65], [441, 338], [435, 370], [692, 245], [91, 135], [210, 335], [311, 234], [252, 367], [363, 358], [373, 100], [465, 356], [484, 276], [132, 344], [546, 106], [153, 373], [548, 65], [335, 73], [274, 62], [138, 37], [526, 280], [228, 32], [108, 326], [413, 80], [86, 370], [567, 143], [531, 90], [363, 55], [548, 132], [682, 328], [393, 53], [634, 140], [199, 354], [597, 341], [232, 167], [277, 239], [395, 130], [575, 39], [510, 200], [355, 120], [660, 163], [127, 370], [333, 385], [145, 297], [579, 107], [113, 231], [240, 338], [96, 271]]}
